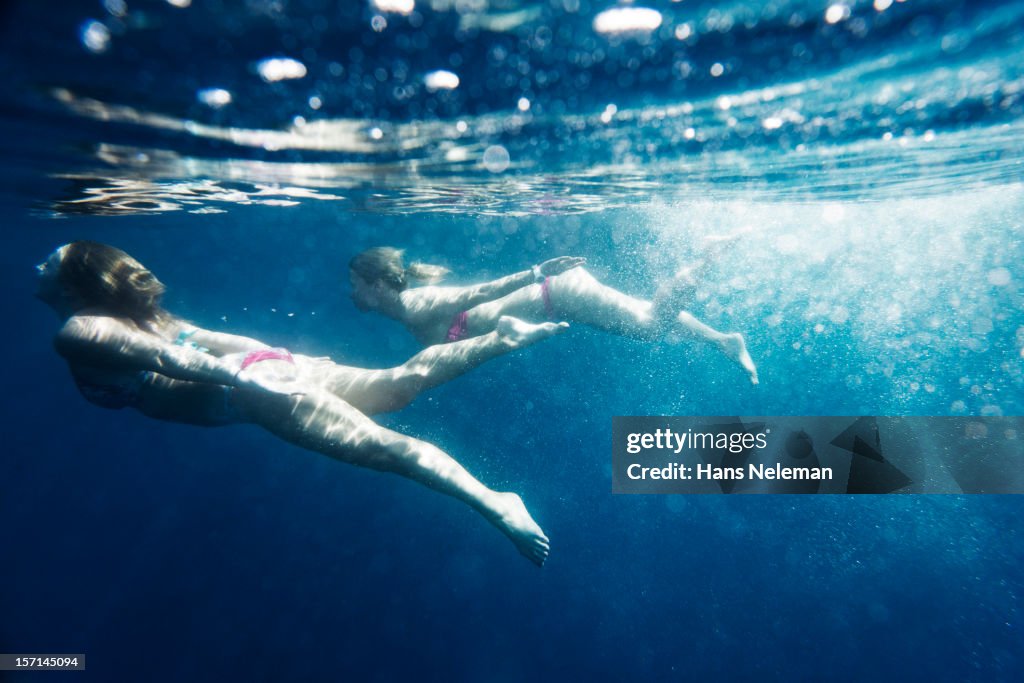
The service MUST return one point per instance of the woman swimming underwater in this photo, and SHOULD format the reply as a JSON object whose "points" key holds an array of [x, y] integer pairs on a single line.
{"points": [[125, 350], [557, 289]]}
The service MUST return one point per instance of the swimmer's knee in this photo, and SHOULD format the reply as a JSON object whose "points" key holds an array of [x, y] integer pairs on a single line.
{"points": [[406, 384], [414, 374]]}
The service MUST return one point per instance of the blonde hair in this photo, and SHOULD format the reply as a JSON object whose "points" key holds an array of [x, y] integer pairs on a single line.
{"points": [[385, 264], [105, 277]]}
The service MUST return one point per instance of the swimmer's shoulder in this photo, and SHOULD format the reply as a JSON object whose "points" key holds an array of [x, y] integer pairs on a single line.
{"points": [[429, 301], [90, 329]]}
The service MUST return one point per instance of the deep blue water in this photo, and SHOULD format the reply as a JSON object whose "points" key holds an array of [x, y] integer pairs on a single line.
{"points": [[875, 161]]}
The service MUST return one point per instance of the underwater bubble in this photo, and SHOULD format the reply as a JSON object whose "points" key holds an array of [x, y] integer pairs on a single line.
{"points": [[1000, 277], [394, 6], [179, 3], [441, 80], [456, 154], [496, 159], [882, 5], [275, 69], [95, 36], [627, 20], [215, 98], [836, 13]]}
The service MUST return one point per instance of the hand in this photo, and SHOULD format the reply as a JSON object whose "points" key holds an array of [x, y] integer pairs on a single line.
{"points": [[560, 264]]}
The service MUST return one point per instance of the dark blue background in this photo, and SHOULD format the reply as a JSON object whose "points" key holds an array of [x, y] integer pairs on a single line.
{"points": [[171, 552]]}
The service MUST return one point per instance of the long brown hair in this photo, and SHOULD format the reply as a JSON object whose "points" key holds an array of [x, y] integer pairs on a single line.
{"points": [[384, 264], [99, 275]]}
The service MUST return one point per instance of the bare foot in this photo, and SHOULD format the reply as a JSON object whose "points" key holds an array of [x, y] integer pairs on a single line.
{"points": [[519, 333], [735, 348], [513, 520]]}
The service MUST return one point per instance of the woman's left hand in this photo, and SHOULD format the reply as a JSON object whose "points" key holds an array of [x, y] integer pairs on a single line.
{"points": [[560, 264]]}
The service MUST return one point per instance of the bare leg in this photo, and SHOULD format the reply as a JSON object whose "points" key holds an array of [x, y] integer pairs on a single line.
{"points": [[578, 297], [679, 292], [381, 391], [731, 344], [575, 296], [321, 422]]}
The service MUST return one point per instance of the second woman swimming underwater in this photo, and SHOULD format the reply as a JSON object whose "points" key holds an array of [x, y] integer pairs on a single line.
{"points": [[558, 289]]}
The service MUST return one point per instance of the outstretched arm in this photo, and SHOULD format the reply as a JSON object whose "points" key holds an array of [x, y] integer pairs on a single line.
{"points": [[450, 300], [106, 341], [219, 343]]}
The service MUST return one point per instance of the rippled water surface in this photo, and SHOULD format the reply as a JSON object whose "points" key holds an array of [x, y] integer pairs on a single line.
{"points": [[538, 108]]}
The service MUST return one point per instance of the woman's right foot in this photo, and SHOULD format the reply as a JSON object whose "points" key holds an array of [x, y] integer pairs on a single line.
{"points": [[519, 333], [735, 348], [513, 520]]}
